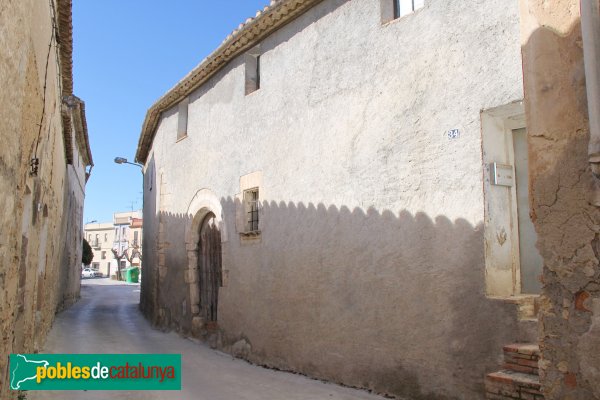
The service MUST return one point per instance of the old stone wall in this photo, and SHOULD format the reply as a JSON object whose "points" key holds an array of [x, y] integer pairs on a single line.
{"points": [[567, 225], [369, 269], [40, 239]]}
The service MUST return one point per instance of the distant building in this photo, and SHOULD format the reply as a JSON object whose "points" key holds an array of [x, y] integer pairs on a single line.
{"points": [[123, 234], [45, 161], [100, 236]]}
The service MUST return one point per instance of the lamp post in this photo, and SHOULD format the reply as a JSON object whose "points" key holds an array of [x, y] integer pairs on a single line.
{"points": [[122, 160]]}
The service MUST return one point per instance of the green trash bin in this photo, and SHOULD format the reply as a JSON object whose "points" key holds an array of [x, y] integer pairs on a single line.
{"points": [[126, 274], [133, 274]]}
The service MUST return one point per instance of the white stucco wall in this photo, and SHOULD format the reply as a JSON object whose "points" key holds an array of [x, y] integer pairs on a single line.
{"points": [[369, 269]]}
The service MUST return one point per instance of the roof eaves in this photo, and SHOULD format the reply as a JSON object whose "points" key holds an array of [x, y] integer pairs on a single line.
{"points": [[81, 132]]}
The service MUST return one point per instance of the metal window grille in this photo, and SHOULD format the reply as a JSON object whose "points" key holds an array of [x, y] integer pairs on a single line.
{"points": [[251, 197]]}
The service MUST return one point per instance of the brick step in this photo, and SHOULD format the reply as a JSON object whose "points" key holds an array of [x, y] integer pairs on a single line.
{"points": [[522, 357], [508, 385]]}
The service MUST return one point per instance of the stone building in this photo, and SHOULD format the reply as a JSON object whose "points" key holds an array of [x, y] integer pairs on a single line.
{"points": [[354, 189], [123, 234], [45, 161]]}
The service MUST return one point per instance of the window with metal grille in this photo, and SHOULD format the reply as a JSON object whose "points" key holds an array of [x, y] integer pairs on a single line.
{"points": [[251, 201]]}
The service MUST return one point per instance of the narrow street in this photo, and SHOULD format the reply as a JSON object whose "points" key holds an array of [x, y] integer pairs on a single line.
{"points": [[107, 320]]}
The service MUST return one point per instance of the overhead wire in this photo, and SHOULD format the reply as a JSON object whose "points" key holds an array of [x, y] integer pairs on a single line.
{"points": [[34, 163]]}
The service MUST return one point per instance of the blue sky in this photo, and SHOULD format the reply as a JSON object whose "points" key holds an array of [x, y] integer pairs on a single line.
{"points": [[126, 55]]}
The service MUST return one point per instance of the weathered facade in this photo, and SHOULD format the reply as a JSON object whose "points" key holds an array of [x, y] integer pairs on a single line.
{"points": [[560, 93], [342, 189], [43, 160]]}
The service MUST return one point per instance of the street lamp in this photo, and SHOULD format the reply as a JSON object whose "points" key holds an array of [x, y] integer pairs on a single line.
{"points": [[122, 160]]}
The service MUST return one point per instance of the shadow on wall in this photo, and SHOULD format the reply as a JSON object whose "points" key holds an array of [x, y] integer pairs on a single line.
{"points": [[389, 302], [567, 225]]}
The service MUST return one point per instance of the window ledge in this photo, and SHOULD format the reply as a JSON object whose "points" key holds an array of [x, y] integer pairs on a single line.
{"points": [[250, 233], [181, 138], [252, 92]]}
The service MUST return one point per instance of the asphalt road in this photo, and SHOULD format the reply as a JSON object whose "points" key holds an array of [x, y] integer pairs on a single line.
{"points": [[107, 320]]}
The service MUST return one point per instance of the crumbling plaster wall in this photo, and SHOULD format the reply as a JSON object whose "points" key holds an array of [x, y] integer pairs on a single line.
{"points": [[369, 270], [568, 226], [32, 209]]}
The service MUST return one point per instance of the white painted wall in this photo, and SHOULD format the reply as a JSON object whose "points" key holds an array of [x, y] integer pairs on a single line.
{"points": [[370, 268]]}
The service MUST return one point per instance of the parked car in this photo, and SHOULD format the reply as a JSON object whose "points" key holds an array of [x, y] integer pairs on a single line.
{"points": [[88, 273], [97, 273]]}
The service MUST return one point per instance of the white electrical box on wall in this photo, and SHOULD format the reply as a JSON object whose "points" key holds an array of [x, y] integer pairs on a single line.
{"points": [[502, 174]]}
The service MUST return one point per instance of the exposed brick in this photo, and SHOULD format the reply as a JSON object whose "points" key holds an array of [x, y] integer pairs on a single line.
{"points": [[570, 380], [520, 368], [580, 299], [522, 348]]}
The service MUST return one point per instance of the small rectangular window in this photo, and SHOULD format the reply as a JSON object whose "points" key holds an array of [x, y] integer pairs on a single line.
{"points": [[251, 201], [103, 255], [394, 9], [182, 118], [149, 176], [252, 59]]}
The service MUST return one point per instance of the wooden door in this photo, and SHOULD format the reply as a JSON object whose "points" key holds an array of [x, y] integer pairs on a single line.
{"points": [[209, 266]]}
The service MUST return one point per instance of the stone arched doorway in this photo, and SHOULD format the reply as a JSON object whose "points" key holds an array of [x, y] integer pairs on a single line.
{"points": [[209, 268]]}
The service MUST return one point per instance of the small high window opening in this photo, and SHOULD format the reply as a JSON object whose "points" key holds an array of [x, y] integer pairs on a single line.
{"points": [[182, 118], [252, 61], [394, 9], [251, 202]]}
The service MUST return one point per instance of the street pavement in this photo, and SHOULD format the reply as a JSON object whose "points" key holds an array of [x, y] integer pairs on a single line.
{"points": [[107, 320]]}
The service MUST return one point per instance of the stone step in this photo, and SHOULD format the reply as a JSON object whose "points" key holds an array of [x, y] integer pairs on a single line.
{"points": [[522, 357], [507, 384]]}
